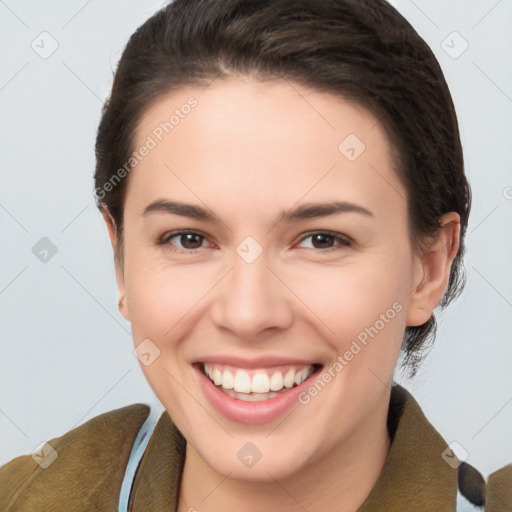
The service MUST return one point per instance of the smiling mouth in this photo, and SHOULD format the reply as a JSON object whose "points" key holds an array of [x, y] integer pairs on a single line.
{"points": [[254, 385]]}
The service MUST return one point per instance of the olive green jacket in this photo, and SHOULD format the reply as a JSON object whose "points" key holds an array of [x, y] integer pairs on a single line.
{"points": [[83, 470]]}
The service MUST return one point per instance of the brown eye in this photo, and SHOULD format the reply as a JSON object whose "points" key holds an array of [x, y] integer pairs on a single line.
{"points": [[325, 241], [184, 241], [191, 240], [322, 241]]}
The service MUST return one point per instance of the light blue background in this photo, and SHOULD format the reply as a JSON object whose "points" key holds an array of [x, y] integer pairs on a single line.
{"points": [[67, 352]]}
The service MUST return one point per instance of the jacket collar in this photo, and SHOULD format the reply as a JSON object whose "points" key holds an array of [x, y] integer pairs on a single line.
{"points": [[414, 477]]}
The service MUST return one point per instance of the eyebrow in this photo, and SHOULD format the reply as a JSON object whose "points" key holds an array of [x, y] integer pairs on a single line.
{"points": [[306, 211]]}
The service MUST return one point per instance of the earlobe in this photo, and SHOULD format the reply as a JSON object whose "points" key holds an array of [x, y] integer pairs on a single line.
{"points": [[121, 305], [434, 265]]}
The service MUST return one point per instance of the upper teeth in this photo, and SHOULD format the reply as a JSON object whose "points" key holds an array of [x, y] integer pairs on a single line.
{"points": [[262, 381]]}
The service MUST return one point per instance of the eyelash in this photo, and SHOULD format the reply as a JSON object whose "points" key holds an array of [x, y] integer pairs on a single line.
{"points": [[343, 241]]}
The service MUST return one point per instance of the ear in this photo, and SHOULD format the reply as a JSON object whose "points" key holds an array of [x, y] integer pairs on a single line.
{"points": [[433, 270], [113, 235]]}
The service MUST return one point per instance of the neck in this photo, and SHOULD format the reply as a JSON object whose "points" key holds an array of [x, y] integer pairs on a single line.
{"points": [[341, 482]]}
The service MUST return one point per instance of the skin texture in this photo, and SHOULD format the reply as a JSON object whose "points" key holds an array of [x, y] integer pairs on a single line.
{"points": [[250, 151]]}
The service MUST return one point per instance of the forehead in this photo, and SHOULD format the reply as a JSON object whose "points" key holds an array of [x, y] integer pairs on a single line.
{"points": [[261, 144]]}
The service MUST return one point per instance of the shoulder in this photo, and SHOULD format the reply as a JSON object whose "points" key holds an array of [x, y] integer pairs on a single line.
{"points": [[423, 454], [81, 470]]}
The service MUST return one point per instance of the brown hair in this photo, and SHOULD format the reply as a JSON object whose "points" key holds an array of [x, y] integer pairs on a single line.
{"points": [[362, 50]]}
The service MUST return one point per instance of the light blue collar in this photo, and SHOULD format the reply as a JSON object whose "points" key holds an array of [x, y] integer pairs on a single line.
{"points": [[138, 449]]}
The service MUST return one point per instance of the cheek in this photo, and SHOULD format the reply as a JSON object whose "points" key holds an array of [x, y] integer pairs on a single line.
{"points": [[161, 297], [350, 298], [361, 311]]}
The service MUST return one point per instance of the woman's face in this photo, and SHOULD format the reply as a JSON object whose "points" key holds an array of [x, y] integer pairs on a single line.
{"points": [[271, 277]]}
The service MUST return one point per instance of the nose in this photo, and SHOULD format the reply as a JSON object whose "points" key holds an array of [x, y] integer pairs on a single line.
{"points": [[251, 299]]}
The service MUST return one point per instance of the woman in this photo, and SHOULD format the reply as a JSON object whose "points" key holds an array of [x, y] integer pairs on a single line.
{"points": [[283, 186]]}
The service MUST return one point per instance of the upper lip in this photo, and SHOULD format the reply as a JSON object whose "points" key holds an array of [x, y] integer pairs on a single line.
{"points": [[257, 362]]}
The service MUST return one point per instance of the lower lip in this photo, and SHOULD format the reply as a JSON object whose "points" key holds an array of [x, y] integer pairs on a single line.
{"points": [[251, 413]]}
